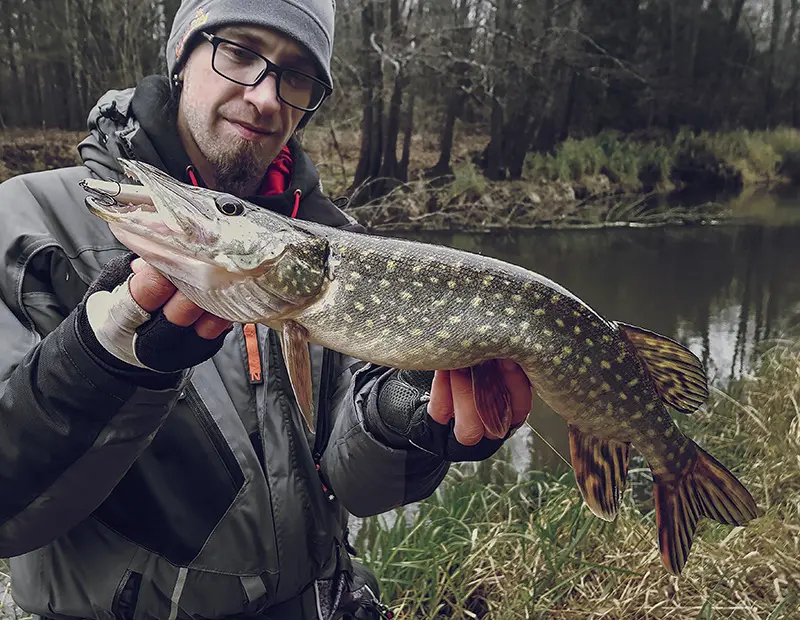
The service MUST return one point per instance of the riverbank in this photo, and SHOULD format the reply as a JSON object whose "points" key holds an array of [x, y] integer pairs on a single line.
{"points": [[530, 549], [605, 180]]}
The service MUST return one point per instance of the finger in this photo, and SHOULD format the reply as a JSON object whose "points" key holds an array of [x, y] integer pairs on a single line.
{"points": [[440, 406], [137, 264], [180, 310], [519, 387], [150, 289], [210, 326], [468, 429]]}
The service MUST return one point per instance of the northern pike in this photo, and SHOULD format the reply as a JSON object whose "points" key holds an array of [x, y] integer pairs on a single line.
{"points": [[413, 305]]}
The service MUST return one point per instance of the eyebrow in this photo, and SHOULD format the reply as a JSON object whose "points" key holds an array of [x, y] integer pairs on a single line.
{"points": [[294, 60]]}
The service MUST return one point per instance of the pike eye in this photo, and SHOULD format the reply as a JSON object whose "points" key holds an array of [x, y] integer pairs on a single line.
{"points": [[229, 206]]}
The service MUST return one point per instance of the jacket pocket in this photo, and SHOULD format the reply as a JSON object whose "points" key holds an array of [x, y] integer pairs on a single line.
{"points": [[182, 485], [124, 605]]}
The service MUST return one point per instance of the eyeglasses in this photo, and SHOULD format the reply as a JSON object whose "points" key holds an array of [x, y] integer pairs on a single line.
{"points": [[243, 66]]}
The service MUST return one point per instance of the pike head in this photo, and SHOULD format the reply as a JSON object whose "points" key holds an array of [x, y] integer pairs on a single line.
{"points": [[232, 258]]}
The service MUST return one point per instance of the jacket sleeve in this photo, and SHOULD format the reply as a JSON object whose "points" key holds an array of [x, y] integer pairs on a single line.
{"points": [[69, 430], [368, 476]]}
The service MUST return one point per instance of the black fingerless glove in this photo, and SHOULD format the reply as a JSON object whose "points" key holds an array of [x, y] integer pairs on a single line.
{"points": [[159, 347], [398, 415]]}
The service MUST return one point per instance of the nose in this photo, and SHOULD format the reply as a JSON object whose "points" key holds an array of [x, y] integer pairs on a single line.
{"points": [[264, 95]]}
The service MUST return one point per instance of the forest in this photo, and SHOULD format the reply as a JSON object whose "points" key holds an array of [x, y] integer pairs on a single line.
{"points": [[516, 80]]}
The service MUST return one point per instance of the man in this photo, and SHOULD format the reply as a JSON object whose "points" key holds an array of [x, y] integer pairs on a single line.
{"points": [[181, 483]]}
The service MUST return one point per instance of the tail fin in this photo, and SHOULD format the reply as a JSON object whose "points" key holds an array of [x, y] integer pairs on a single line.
{"points": [[706, 489]]}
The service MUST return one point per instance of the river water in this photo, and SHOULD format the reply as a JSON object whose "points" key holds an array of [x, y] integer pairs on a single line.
{"points": [[722, 290]]}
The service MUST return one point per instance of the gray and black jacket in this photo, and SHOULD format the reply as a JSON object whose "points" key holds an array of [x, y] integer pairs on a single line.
{"points": [[205, 499]]}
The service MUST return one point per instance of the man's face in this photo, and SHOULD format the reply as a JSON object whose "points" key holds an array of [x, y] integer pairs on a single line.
{"points": [[233, 132]]}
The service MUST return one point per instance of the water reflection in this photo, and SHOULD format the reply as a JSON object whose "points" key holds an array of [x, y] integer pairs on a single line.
{"points": [[722, 291]]}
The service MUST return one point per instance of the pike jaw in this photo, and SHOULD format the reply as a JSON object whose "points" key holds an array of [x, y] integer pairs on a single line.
{"points": [[232, 258]]}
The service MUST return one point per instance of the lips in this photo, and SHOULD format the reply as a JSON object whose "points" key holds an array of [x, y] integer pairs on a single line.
{"points": [[250, 132]]}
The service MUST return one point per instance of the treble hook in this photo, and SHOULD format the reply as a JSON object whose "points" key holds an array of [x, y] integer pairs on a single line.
{"points": [[105, 198]]}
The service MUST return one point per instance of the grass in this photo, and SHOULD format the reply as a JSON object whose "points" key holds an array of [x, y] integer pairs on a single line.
{"points": [[530, 549]]}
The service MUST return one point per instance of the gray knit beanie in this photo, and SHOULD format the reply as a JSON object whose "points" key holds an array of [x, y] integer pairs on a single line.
{"points": [[309, 22]]}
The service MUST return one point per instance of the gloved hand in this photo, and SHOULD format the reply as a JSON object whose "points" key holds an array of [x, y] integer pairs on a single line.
{"points": [[400, 416], [126, 336]]}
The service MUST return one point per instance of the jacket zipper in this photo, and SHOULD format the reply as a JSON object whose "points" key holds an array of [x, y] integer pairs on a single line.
{"points": [[213, 433]]}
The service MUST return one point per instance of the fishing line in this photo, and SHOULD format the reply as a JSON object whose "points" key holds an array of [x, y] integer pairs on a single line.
{"points": [[549, 445]]}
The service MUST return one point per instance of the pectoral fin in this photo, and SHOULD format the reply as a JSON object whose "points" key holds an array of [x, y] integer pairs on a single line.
{"points": [[678, 374], [295, 354], [492, 399], [601, 469]]}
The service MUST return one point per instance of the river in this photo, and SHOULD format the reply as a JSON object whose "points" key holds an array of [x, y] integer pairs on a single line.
{"points": [[724, 290]]}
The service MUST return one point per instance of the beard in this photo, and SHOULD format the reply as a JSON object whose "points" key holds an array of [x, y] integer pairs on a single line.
{"points": [[237, 164]]}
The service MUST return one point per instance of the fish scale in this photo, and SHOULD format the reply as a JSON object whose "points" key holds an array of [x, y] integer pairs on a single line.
{"points": [[413, 305]]}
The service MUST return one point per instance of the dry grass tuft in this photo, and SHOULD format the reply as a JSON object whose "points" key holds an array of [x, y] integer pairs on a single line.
{"points": [[532, 550]]}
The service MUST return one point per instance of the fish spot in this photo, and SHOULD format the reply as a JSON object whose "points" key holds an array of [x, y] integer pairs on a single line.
{"points": [[454, 319], [610, 407], [349, 287], [498, 296], [466, 343], [416, 268], [606, 338], [566, 350], [355, 275], [385, 331], [384, 283], [524, 325], [510, 311], [576, 329], [391, 265], [555, 299], [651, 433], [559, 322], [527, 284], [402, 319], [443, 335], [434, 280], [637, 398], [621, 358], [359, 306], [490, 313], [451, 283], [573, 383], [483, 343], [650, 406], [488, 280], [589, 342], [375, 299], [503, 324], [483, 329], [370, 323], [516, 298], [547, 332], [669, 432], [416, 331], [592, 380], [637, 416], [605, 387], [671, 456], [439, 302], [405, 295], [476, 301], [633, 382], [556, 360], [592, 394], [582, 370], [605, 364], [417, 284], [560, 377], [539, 311], [538, 347], [623, 396], [347, 318], [515, 339], [587, 359]]}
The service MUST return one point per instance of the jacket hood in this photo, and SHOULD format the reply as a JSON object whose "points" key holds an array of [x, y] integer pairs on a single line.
{"points": [[141, 123]]}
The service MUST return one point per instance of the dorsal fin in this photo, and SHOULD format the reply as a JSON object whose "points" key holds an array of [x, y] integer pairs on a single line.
{"points": [[678, 374]]}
